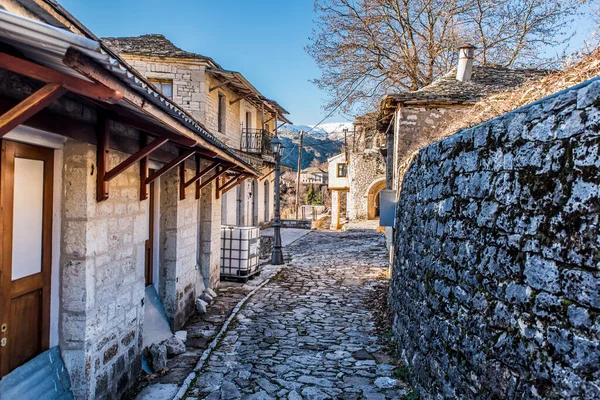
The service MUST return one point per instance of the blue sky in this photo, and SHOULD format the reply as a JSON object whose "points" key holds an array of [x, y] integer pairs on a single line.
{"points": [[262, 39]]}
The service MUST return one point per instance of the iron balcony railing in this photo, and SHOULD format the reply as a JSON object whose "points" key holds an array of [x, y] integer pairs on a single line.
{"points": [[256, 141]]}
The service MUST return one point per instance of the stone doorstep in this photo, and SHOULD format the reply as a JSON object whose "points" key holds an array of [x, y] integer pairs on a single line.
{"points": [[201, 329]]}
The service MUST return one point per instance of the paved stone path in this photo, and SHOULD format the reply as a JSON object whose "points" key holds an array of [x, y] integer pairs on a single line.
{"points": [[308, 334]]}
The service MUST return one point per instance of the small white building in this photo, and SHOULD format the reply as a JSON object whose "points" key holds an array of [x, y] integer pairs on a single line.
{"points": [[314, 175], [339, 186]]}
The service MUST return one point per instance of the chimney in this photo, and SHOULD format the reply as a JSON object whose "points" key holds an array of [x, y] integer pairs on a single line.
{"points": [[465, 62]]}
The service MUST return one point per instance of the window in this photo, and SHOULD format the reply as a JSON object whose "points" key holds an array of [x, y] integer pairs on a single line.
{"points": [[342, 170], [165, 86], [248, 119], [221, 113]]}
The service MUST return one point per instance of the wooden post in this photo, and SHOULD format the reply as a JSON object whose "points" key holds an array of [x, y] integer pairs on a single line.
{"points": [[102, 157], [144, 169]]}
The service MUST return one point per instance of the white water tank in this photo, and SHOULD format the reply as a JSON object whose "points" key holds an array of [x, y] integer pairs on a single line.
{"points": [[239, 251]]}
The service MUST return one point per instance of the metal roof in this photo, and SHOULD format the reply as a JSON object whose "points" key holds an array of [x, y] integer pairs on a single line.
{"points": [[47, 45]]}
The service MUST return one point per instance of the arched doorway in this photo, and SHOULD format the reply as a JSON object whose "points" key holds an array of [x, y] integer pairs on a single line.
{"points": [[373, 203]]}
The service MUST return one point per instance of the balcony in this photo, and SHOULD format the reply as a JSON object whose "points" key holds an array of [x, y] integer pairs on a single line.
{"points": [[256, 141]]}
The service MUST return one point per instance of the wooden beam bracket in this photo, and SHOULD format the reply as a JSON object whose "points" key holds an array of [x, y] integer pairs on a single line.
{"points": [[30, 106], [237, 182], [172, 164], [72, 84], [132, 159], [227, 82]]}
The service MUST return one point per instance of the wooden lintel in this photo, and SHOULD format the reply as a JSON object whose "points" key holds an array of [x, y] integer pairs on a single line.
{"points": [[240, 180], [202, 173], [72, 84], [267, 175], [182, 181], [102, 158], [30, 106], [132, 159], [172, 164], [144, 165], [227, 82], [220, 171], [232, 102]]}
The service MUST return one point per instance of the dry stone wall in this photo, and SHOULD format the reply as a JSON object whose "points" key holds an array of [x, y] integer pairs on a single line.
{"points": [[496, 275]]}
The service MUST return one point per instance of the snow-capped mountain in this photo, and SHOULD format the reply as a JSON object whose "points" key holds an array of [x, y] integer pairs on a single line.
{"points": [[319, 144], [331, 130], [335, 130]]}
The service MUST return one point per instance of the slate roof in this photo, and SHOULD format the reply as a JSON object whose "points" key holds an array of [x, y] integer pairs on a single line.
{"points": [[150, 45], [485, 80]]}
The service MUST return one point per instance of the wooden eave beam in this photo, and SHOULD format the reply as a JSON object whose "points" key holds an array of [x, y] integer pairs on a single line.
{"points": [[72, 84], [132, 159], [202, 173], [240, 180], [227, 82], [175, 162], [267, 175], [30, 106], [232, 102], [217, 174], [230, 181], [82, 64]]}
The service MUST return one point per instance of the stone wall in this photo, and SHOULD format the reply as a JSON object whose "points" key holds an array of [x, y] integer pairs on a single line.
{"points": [[188, 81], [102, 276], [495, 284], [364, 170], [179, 243], [415, 128]]}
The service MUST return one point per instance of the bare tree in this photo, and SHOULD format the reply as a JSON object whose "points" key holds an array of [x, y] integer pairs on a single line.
{"points": [[365, 48]]}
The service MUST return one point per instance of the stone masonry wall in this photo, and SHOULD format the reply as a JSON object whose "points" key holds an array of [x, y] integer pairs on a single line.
{"points": [[496, 278], [363, 170], [179, 244], [102, 276]]}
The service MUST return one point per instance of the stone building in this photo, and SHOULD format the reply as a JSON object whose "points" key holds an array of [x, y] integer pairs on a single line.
{"points": [[314, 175], [226, 103], [412, 120], [364, 165], [109, 190]]}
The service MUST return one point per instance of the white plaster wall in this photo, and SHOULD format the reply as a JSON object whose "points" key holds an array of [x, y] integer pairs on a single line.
{"points": [[334, 181]]}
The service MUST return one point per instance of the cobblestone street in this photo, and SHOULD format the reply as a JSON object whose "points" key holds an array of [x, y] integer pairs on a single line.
{"points": [[309, 333]]}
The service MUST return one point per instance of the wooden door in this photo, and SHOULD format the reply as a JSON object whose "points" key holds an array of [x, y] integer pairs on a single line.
{"points": [[26, 245], [149, 267]]}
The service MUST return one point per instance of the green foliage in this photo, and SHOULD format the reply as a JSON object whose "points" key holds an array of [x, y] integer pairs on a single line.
{"points": [[413, 395], [401, 373], [310, 195]]}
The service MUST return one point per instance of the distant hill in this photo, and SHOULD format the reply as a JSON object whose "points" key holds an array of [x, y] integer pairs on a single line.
{"points": [[318, 144]]}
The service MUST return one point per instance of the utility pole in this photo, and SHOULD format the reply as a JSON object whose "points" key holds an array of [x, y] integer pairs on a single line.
{"points": [[298, 173]]}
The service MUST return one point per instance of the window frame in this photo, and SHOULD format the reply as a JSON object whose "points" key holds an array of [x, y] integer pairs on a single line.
{"points": [[221, 113], [344, 167], [158, 84]]}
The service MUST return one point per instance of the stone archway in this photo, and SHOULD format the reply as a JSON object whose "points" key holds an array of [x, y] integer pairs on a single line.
{"points": [[373, 198]]}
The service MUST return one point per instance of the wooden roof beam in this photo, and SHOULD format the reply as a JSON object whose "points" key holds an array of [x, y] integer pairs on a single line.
{"points": [[175, 162], [239, 180], [132, 159], [72, 84], [239, 99], [227, 82], [30, 106]]}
